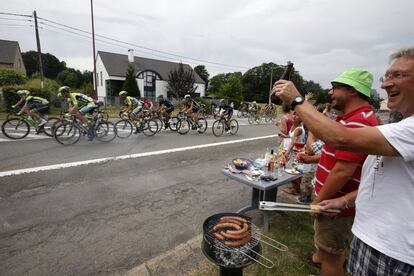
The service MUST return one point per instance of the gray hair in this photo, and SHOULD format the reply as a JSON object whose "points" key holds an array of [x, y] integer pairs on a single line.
{"points": [[408, 52]]}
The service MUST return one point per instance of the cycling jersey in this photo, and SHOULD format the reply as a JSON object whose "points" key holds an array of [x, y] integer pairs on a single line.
{"points": [[36, 100], [132, 101], [80, 99], [148, 103], [169, 107]]}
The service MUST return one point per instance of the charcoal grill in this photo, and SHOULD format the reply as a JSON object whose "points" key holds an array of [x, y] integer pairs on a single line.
{"points": [[232, 260]]}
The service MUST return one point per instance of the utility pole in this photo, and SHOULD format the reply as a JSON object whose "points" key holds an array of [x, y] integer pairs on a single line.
{"points": [[271, 83], [39, 52], [95, 84]]}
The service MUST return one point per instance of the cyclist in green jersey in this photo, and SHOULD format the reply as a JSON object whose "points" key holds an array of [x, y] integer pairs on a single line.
{"points": [[132, 106], [80, 104], [32, 106]]}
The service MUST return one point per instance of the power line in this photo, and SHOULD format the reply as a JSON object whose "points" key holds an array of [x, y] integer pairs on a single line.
{"points": [[142, 47], [16, 14], [181, 57], [16, 19]]}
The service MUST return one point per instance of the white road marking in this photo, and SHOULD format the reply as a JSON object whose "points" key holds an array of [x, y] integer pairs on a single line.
{"points": [[123, 157]]}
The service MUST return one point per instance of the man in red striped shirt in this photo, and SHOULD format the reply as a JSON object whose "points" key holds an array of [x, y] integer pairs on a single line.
{"points": [[339, 171]]}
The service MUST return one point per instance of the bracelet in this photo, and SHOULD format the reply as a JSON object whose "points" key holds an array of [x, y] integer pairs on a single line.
{"points": [[346, 202]]}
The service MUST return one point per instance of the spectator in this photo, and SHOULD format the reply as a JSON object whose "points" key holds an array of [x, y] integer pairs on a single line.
{"points": [[284, 125], [383, 242], [339, 171]]}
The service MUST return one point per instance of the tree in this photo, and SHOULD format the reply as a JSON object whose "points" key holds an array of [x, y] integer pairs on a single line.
{"points": [[203, 73], [180, 82], [51, 64], [219, 80], [130, 83], [232, 89], [69, 77]]}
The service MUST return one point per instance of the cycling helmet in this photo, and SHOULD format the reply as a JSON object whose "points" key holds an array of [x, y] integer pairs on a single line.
{"points": [[160, 98], [221, 100], [123, 93], [23, 92], [64, 89], [187, 96]]}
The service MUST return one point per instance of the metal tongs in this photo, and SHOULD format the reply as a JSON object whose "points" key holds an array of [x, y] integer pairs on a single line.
{"points": [[277, 206]]}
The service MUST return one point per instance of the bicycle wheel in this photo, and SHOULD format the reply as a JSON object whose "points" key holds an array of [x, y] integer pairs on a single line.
{"points": [[48, 128], [160, 123], [173, 123], [15, 128], [124, 128], [150, 127], [251, 119], [202, 125], [105, 131], [218, 128], [234, 126], [183, 126], [67, 133]]}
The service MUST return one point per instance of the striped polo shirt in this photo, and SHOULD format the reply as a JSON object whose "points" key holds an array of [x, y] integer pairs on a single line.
{"points": [[361, 117]]}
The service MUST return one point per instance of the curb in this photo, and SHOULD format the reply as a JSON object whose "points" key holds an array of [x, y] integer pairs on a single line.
{"points": [[181, 258]]}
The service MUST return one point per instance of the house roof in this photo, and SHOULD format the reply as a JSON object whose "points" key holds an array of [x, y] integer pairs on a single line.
{"points": [[116, 65], [8, 51]]}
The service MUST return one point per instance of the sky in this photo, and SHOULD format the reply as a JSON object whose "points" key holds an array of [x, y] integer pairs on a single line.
{"points": [[321, 37]]}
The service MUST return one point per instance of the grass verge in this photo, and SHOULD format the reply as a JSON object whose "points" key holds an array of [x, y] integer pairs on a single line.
{"points": [[294, 230]]}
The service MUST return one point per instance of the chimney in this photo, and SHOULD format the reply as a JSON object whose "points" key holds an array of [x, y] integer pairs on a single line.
{"points": [[131, 55]]}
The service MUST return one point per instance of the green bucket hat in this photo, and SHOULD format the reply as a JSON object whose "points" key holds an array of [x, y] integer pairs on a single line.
{"points": [[360, 80]]}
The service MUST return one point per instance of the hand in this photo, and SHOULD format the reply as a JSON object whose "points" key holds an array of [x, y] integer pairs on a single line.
{"points": [[335, 203], [286, 90], [13, 106]]}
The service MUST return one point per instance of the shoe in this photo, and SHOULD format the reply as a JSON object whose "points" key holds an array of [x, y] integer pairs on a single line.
{"points": [[304, 199], [42, 123], [228, 131], [137, 131], [198, 129]]}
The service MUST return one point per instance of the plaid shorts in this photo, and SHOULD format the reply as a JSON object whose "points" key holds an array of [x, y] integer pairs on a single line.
{"points": [[367, 261]]}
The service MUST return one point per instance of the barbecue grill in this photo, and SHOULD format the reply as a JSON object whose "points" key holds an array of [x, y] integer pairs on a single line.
{"points": [[232, 259]]}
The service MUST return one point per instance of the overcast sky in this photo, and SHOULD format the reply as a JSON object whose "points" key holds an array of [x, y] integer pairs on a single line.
{"points": [[322, 37]]}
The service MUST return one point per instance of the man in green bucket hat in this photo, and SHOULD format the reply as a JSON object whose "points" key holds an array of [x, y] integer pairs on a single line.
{"points": [[339, 171]]}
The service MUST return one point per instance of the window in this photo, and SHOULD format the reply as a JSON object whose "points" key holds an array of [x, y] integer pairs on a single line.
{"points": [[101, 79]]}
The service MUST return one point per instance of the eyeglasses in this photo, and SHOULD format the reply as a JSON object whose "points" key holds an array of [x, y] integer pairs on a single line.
{"points": [[394, 76]]}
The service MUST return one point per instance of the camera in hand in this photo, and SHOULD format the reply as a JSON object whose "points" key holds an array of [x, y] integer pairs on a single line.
{"points": [[285, 76]]}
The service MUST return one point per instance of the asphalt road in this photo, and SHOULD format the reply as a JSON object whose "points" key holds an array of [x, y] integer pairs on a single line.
{"points": [[103, 216]]}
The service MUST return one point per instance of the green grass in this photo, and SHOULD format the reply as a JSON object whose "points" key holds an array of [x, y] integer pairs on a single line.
{"points": [[294, 230]]}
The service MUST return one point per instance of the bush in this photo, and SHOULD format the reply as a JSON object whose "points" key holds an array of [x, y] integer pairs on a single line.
{"points": [[49, 92], [11, 77]]}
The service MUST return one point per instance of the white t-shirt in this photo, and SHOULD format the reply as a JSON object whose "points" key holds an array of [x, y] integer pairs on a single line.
{"points": [[385, 203]]}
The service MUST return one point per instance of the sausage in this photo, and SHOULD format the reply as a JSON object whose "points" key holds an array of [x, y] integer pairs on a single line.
{"points": [[226, 224], [239, 231], [218, 236], [238, 222], [233, 236], [239, 242], [235, 218]]}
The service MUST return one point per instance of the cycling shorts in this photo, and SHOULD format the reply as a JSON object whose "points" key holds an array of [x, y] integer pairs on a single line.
{"points": [[169, 109], [39, 107], [137, 110], [87, 109]]}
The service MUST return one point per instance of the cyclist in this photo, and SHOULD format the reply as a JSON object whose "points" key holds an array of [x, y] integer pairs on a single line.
{"points": [[226, 110], [79, 103], [192, 108], [166, 108], [133, 107], [32, 106]]}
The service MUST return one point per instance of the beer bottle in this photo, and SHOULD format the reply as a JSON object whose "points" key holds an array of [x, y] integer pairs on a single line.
{"points": [[285, 76]]}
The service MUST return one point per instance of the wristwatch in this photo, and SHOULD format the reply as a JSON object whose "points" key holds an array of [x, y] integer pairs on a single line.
{"points": [[297, 101]]}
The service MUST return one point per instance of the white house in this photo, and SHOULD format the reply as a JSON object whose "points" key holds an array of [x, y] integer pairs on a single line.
{"points": [[151, 75]]}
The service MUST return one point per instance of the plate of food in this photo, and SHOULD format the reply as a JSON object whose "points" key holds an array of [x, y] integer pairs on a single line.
{"points": [[242, 163], [293, 170]]}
